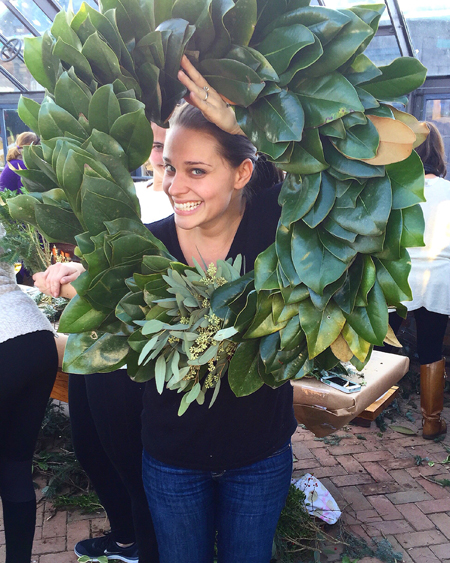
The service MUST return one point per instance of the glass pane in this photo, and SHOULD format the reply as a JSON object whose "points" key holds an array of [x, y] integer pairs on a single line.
{"points": [[10, 26], [338, 4], [33, 13], [429, 25], [438, 111], [76, 4], [383, 49], [20, 72], [6, 85]]}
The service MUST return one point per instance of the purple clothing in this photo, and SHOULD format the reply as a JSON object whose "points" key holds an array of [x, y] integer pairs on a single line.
{"points": [[9, 180]]}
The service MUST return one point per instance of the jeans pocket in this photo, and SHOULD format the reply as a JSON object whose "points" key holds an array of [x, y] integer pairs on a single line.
{"points": [[282, 450]]}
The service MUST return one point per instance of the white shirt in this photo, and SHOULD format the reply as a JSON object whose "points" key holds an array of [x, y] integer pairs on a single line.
{"points": [[430, 272], [155, 205]]}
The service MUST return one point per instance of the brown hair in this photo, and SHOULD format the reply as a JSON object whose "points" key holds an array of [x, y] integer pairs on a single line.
{"points": [[233, 148], [26, 138], [432, 152]]}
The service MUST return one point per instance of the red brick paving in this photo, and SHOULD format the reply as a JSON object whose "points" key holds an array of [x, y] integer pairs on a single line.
{"points": [[376, 482]]}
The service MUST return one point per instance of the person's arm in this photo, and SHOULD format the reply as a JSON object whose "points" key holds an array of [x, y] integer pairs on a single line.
{"points": [[56, 280], [206, 99]]}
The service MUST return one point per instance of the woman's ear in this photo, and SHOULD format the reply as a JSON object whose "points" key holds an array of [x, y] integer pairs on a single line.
{"points": [[243, 174]]}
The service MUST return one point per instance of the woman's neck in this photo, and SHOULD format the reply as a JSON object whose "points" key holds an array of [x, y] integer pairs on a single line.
{"points": [[209, 243]]}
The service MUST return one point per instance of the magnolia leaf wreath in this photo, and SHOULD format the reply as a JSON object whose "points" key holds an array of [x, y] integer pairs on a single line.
{"points": [[309, 99]]}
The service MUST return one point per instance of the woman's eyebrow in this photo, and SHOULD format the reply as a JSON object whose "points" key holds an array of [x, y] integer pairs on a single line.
{"points": [[189, 162]]}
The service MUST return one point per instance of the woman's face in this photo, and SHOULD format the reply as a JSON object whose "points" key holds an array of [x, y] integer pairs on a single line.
{"points": [[156, 156], [202, 186]]}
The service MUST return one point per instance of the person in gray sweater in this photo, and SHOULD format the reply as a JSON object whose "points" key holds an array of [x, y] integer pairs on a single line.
{"points": [[28, 365]]}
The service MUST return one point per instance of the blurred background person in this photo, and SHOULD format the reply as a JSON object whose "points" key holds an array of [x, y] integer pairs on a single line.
{"points": [[154, 202], [28, 365], [9, 180], [430, 284]]}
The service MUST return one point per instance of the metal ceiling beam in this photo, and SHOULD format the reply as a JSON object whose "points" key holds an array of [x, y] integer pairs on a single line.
{"points": [[49, 7], [21, 18], [401, 29], [12, 79]]}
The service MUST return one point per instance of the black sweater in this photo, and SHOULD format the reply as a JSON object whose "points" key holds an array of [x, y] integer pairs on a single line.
{"points": [[234, 432]]}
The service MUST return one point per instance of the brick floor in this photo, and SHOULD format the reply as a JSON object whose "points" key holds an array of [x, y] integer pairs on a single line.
{"points": [[377, 483]]}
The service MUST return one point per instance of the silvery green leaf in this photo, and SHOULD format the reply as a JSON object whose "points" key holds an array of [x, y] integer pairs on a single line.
{"points": [[225, 333], [162, 342], [184, 405], [193, 276], [193, 393], [237, 265], [160, 373], [167, 303], [216, 392], [186, 346], [190, 302], [175, 360], [152, 326], [147, 349], [198, 268], [205, 357], [201, 397]]}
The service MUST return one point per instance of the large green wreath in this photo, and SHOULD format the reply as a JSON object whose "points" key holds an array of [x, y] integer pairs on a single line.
{"points": [[308, 98]]}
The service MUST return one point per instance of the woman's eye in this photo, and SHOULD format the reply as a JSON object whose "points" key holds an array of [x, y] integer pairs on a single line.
{"points": [[197, 171], [158, 147], [169, 168]]}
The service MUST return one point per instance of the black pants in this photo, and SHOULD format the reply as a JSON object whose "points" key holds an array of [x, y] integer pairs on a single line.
{"points": [[105, 415], [430, 328], [28, 366]]}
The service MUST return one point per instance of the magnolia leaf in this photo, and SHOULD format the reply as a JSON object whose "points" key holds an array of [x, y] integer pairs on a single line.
{"points": [[326, 98], [57, 224], [358, 346], [92, 352], [307, 156], [407, 181], [341, 349], [243, 375], [283, 248], [23, 208], [315, 266], [297, 196], [323, 204], [73, 58], [104, 109], [397, 141], [419, 128], [234, 80], [401, 77], [280, 46], [413, 226], [362, 70], [361, 142], [391, 338], [371, 322], [241, 20], [41, 70], [321, 327], [280, 116], [134, 133], [28, 111], [265, 269], [79, 316], [393, 278], [403, 430]]}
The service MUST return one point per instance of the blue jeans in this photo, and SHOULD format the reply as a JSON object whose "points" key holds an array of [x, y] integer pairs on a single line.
{"points": [[243, 505]]}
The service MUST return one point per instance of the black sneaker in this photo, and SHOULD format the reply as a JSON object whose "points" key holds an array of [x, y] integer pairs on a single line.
{"points": [[105, 546]]}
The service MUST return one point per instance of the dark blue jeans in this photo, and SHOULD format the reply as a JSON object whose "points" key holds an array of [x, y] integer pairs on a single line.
{"points": [[243, 505]]}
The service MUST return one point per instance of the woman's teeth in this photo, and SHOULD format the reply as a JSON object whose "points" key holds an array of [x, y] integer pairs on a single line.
{"points": [[189, 206]]}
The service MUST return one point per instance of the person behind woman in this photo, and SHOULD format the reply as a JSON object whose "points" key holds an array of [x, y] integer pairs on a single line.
{"points": [[28, 365], [9, 180], [226, 469], [153, 201], [430, 284]]}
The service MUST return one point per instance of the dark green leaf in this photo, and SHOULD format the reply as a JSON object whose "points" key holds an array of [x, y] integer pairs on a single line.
{"points": [[401, 77], [327, 98], [102, 59], [240, 21], [280, 46], [361, 142], [79, 316], [280, 116], [28, 111], [104, 109], [323, 203], [362, 70], [297, 196], [307, 156], [95, 353], [392, 241], [243, 375], [70, 96], [283, 248], [393, 278], [345, 297], [42, 71], [413, 226], [234, 80], [303, 59], [371, 322], [407, 182], [134, 133], [315, 266], [321, 327], [257, 135], [56, 224], [336, 246]]}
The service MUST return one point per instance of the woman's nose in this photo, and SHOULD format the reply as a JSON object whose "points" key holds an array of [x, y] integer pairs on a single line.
{"points": [[175, 185]]}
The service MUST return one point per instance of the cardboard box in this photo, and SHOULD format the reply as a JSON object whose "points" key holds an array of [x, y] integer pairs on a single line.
{"points": [[323, 410]]}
